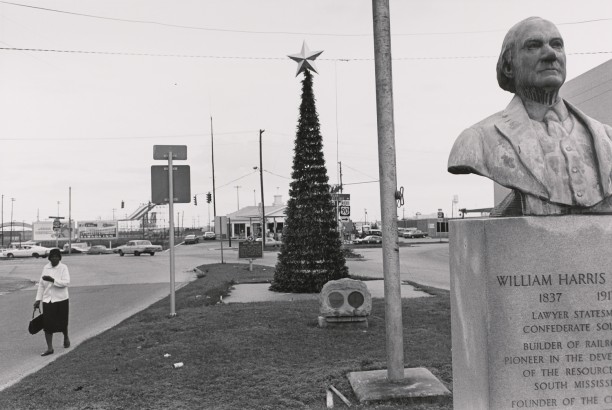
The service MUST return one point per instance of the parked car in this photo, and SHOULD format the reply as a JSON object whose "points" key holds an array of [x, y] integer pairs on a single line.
{"points": [[138, 247], [24, 251], [415, 234], [210, 236], [270, 242], [191, 239], [99, 250], [368, 239]]}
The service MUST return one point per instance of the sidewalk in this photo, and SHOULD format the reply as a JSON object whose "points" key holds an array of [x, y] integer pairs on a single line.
{"points": [[93, 309]]}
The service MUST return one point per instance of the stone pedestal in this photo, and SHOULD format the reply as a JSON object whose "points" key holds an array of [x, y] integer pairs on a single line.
{"points": [[531, 301]]}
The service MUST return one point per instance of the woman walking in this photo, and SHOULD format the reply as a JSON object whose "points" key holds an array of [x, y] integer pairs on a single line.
{"points": [[53, 292]]}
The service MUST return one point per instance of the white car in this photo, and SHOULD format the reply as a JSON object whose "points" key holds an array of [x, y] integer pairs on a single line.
{"points": [[138, 247], [24, 251], [271, 242], [210, 236]]}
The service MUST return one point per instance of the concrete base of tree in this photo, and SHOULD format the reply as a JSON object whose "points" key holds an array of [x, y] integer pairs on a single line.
{"points": [[418, 384]]}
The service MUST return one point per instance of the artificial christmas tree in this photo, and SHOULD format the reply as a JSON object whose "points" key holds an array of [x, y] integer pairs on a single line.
{"points": [[311, 252]]}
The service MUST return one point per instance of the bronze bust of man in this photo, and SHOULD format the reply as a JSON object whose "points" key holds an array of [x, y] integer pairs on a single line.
{"points": [[555, 158]]}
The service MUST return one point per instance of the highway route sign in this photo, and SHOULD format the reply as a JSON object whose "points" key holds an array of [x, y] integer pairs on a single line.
{"points": [[345, 211]]}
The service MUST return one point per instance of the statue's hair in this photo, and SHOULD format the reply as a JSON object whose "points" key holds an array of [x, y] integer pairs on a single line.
{"points": [[505, 57]]}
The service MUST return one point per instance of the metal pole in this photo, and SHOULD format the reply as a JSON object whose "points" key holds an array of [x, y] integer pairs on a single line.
{"points": [[212, 153], [2, 223], [388, 186], [69, 220], [171, 244], [263, 208]]}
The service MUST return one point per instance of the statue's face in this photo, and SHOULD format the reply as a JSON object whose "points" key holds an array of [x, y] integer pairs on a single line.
{"points": [[539, 56]]}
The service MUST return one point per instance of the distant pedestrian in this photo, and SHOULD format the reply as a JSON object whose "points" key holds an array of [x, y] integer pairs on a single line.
{"points": [[53, 291]]}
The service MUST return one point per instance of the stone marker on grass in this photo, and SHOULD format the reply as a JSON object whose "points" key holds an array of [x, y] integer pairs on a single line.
{"points": [[344, 302]]}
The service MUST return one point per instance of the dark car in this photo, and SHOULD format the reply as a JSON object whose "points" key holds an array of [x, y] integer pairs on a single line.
{"points": [[369, 239], [191, 239], [415, 234]]}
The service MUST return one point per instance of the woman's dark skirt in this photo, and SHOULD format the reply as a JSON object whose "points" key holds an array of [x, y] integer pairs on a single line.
{"points": [[55, 316]]}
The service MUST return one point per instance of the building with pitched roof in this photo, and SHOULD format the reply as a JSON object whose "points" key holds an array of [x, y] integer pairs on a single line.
{"points": [[247, 221]]}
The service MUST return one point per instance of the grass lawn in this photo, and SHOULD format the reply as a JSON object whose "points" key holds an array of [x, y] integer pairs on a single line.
{"points": [[236, 356]]}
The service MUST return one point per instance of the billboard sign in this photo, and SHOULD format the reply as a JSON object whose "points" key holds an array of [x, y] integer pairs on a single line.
{"points": [[97, 229], [45, 231]]}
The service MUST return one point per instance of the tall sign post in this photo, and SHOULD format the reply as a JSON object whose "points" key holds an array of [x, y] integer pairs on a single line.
{"points": [[163, 190]]}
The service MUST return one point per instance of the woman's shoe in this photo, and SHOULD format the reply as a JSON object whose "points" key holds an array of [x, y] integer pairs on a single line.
{"points": [[47, 353], [66, 343]]}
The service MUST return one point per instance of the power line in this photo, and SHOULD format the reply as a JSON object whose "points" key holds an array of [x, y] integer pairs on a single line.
{"points": [[158, 23], [121, 137], [359, 183], [237, 179], [276, 175], [196, 56]]}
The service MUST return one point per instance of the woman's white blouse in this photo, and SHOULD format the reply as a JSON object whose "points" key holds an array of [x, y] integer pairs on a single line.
{"points": [[54, 291]]}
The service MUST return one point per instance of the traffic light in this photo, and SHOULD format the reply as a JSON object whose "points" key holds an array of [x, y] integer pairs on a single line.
{"points": [[195, 200], [122, 204], [208, 197]]}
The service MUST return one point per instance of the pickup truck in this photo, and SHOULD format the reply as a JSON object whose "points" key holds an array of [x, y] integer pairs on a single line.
{"points": [[137, 247]]}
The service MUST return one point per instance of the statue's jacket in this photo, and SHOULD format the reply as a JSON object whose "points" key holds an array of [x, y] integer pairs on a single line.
{"points": [[505, 148]]}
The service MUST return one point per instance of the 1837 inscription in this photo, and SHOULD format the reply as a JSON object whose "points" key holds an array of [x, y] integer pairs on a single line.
{"points": [[566, 342]]}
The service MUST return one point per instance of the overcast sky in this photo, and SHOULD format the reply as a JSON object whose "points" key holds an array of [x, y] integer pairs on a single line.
{"points": [[99, 83]]}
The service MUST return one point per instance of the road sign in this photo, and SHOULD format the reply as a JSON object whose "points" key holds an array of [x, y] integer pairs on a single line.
{"points": [[160, 185], [250, 249], [56, 224], [345, 218], [161, 151], [345, 211], [440, 215], [341, 197]]}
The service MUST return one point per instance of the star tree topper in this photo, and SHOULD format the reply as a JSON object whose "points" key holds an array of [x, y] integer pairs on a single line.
{"points": [[305, 59]]}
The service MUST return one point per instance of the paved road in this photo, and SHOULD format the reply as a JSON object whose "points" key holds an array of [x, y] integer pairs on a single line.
{"points": [[424, 263], [107, 289]]}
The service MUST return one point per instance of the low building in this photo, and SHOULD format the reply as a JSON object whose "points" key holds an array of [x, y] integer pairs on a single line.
{"points": [[247, 221]]}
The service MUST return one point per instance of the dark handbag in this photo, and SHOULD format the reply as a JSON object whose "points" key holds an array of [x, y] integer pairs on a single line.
{"points": [[36, 324]]}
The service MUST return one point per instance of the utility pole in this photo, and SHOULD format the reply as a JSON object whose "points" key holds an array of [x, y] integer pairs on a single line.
{"points": [[212, 153], [11, 237], [237, 196], [340, 164], [263, 208], [2, 223]]}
